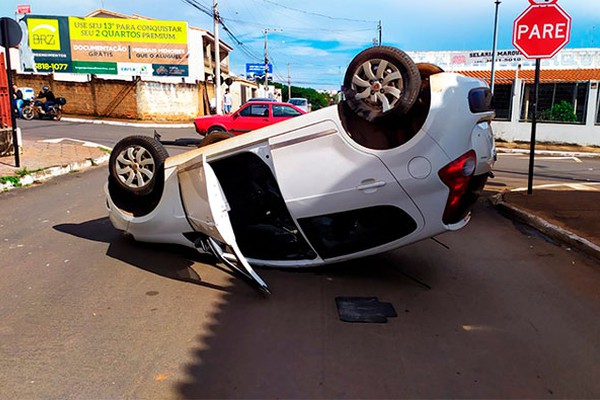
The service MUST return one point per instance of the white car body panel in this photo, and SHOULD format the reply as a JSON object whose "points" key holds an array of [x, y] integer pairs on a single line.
{"points": [[449, 92], [164, 224], [204, 202], [321, 170]]}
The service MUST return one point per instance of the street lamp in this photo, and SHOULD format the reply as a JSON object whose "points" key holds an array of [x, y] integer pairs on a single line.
{"points": [[493, 79]]}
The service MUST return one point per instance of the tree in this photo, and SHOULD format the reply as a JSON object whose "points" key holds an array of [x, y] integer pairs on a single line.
{"points": [[316, 99], [560, 112]]}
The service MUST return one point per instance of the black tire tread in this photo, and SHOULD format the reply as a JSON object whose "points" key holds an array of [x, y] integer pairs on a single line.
{"points": [[153, 146], [410, 74]]}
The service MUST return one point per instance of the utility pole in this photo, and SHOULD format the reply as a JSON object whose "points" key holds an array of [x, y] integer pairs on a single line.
{"points": [[289, 83], [493, 78], [217, 79], [379, 31], [266, 33]]}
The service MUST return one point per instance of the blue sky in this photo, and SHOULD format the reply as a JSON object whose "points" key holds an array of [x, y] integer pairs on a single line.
{"points": [[317, 38]]}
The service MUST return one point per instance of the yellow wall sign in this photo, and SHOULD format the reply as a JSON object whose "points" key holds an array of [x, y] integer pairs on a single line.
{"points": [[44, 34], [127, 30]]}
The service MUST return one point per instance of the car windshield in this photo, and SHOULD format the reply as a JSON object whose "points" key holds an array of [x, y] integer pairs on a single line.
{"points": [[298, 102]]}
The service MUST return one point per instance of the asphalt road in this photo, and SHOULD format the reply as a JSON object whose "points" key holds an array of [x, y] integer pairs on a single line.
{"points": [[107, 135], [493, 310]]}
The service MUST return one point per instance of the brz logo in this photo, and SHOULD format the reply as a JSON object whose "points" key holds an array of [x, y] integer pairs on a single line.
{"points": [[43, 34]]}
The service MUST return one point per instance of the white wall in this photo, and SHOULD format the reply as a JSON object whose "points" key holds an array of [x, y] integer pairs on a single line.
{"points": [[587, 134], [166, 101]]}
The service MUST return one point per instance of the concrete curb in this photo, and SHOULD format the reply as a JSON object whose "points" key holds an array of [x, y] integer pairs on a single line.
{"points": [[554, 231], [119, 123], [46, 174]]}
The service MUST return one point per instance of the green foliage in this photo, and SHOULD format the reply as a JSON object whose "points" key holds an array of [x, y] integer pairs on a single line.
{"points": [[14, 180], [561, 112], [316, 99], [25, 171]]}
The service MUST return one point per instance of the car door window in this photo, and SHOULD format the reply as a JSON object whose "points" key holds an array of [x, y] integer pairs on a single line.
{"points": [[352, 231], [255, 110], [285, 111]]}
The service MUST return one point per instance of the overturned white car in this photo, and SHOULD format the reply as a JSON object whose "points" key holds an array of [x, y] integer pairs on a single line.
{"points": [[401, 159]]}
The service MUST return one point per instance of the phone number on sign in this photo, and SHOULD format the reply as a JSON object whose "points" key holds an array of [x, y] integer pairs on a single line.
{"points": [[52, 66]]}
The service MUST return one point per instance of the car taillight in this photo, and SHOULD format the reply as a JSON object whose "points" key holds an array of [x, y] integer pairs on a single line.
{"points": [[457, 176]]}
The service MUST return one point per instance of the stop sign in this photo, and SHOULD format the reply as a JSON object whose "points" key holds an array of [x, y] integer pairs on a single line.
{"points": [[542, 29]]}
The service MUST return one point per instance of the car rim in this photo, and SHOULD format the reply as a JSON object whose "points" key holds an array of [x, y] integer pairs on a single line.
{"points": [[135, 167], [378, 83]]}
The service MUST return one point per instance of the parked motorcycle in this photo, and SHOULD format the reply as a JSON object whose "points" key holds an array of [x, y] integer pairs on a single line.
{"points": [[35, 109]]}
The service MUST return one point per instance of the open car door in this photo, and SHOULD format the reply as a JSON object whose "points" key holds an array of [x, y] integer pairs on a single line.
{"points": [[207, 211]]}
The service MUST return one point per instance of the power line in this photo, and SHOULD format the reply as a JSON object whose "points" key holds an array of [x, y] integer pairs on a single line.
{"points": [[208, 11], [319, 15]]}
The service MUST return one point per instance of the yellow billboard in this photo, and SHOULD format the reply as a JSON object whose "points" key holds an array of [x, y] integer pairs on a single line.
{"points": [[127, 30], [108, 45]]}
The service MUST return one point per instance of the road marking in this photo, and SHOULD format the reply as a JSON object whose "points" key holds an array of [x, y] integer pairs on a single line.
{"points": [[590, 187], [82, 142], [526, 157], [559, 158]]}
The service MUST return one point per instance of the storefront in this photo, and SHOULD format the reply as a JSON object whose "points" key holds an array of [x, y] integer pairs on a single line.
{"points": [[569, 104]]}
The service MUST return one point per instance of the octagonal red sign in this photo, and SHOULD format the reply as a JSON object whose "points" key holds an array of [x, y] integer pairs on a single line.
{"points": [[542, 29]]}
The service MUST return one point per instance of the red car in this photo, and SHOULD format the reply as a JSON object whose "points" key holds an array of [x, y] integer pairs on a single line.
{"points": [[252, 115]]}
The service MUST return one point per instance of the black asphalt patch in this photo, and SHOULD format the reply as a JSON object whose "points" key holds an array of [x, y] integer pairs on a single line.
{"points": [[364, 309]]}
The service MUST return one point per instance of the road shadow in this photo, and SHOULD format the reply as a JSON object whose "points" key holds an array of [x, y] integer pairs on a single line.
{"points": [[283, 346], [169, 261]]}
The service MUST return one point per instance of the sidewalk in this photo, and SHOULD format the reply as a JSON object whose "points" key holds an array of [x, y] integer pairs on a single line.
{"points": [[568, 214], [41, 160]]}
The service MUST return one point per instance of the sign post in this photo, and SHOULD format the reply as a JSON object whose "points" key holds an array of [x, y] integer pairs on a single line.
{"points": [[539, 33]]}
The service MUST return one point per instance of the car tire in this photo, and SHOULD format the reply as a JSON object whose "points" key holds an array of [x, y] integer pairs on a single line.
{"points": [[214, 137], [136, 164], [381, 81], [214, 129], [27, 113]]}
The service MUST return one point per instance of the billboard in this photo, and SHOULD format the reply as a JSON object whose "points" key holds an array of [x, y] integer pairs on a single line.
{"points": [[112, 46]]}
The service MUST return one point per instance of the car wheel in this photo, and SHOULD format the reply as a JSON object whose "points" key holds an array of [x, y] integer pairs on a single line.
{"points": [[27, 113], [136, 162], [214, 137], [214, 129], [380, 81]]}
